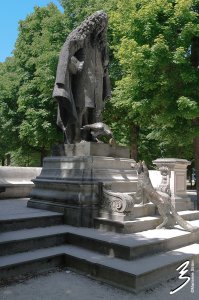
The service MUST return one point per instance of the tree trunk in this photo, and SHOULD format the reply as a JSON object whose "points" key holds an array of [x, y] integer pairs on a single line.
{"points": [[42, 155], [3, 161], [195, 52], [196, 154], [134, 141], [8, 159]]}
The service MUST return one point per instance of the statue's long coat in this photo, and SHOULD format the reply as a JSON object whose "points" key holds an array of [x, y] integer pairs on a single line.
{"points": [[91, 86]]}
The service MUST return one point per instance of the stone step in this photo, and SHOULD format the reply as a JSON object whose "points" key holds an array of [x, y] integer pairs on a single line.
{"points": [[31, 262], [31, 239], [128, 247], [189, 215], [15, 215], [44, 219], [139, 223], [133, 275], [131, 246]]}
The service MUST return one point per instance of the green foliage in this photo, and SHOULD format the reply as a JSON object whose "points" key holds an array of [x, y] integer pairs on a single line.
{"points": [[40, 38], [76, 11], [159, 85], [9, 118], [25, 157], [27, 109]]}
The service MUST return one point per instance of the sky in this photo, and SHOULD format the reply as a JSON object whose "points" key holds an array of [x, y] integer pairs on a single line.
{"points": [[11, 12]]}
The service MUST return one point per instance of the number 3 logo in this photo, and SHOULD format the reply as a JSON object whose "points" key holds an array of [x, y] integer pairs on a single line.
{"points": [[182, 269]]}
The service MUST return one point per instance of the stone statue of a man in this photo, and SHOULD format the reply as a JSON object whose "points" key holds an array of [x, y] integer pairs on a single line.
{"points": [[82, 81]]}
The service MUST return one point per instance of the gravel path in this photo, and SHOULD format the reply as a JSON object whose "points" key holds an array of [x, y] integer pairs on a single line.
{"points": [[67, 285]]}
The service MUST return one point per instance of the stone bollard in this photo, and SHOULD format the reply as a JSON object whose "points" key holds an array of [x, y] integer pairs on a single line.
{"points": [[177, 170]]}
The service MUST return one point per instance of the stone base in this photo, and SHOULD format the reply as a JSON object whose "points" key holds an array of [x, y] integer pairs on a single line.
{"points": [[78, 201], [183, 203], [90, 149], [73, 215], [70, 184]]}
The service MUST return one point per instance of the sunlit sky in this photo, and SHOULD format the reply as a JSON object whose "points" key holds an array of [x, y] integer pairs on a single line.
{"points": [[11, 12]]}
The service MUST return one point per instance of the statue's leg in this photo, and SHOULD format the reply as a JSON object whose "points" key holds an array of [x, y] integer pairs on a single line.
{"points": [[165, 221], [66, 140], [98, 115], [62, 122], [163, 213], [145, 198], [79, 124], [77, 134], [139, 195], [90, 115], [86, 120], [70, 133]]}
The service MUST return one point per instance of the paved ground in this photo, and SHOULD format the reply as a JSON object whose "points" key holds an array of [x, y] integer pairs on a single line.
{"points": [[66, 285]]}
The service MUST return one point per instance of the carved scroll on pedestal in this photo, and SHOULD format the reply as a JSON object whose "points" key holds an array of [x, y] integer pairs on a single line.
{"points": [[115, 202]]}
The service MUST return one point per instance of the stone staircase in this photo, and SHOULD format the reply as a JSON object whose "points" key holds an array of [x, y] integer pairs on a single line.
{"points": [[33, 241]]}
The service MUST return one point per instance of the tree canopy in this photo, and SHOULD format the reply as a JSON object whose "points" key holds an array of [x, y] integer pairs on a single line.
{"points": [[35, 58], [9, 118], [159, 87]]}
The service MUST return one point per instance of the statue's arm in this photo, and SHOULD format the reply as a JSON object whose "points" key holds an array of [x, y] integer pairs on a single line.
{"points": [[67, 52]]}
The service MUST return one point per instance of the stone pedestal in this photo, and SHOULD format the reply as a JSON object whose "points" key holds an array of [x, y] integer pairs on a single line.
{"points": [[70, 183], [177, 169]]}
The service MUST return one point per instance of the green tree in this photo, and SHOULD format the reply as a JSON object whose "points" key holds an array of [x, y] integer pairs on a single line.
{"points": [[36, 52], [76, 11], [9, 118], [158, 51]]}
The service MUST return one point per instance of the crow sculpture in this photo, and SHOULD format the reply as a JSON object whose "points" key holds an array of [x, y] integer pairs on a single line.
{"points": [[97, 130]]}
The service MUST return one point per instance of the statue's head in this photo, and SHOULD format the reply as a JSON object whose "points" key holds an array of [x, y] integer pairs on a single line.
{"points": [[94, 24], [100, 19], [140, 167]]}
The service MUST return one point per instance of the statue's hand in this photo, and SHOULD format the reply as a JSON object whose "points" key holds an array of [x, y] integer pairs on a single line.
{"points": [[75, 66], [80, 66]]}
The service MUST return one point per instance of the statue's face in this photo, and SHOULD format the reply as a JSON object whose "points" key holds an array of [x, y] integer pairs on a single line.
{"points": [[100, 20], [103, 24]]}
